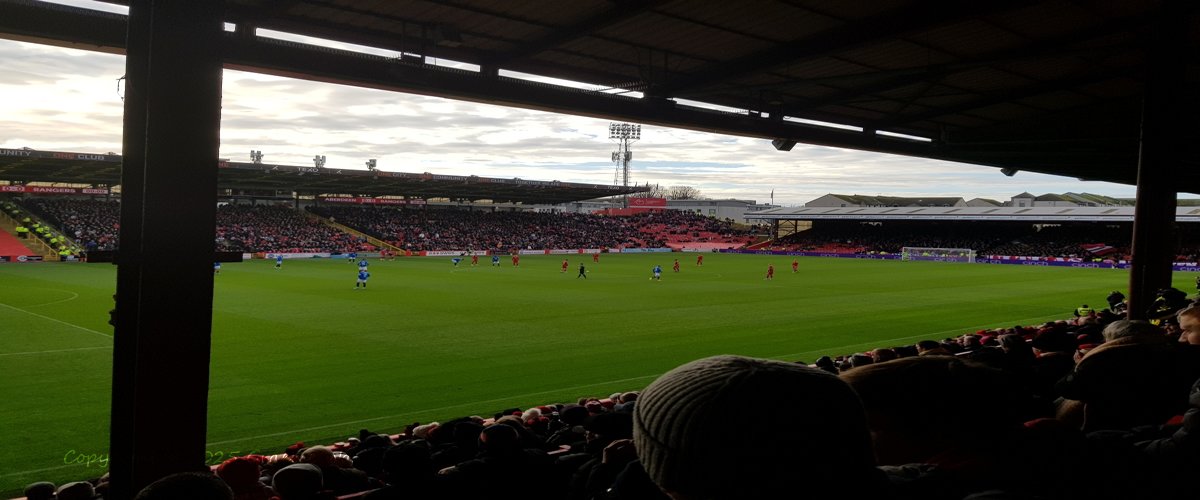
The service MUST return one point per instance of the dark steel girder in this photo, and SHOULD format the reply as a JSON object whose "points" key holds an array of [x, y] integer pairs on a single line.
{"points": [[855, 34], [420, 41], [1073, 123], [265, 11], [106, 32], [1044, 49], [328, 65], [1069, 84], [63, 26], [332, 66], [618, 12]]}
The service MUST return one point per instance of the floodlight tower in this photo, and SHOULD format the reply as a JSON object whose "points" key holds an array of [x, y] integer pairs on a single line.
{"points": [[625, 134], [319, 161], [256, 156]]}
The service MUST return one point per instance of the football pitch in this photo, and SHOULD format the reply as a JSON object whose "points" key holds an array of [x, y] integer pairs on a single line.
{"points": [[300, 355]]}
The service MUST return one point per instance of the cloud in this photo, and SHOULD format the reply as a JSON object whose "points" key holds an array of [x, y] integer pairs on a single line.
{"points": [[62, 99]]}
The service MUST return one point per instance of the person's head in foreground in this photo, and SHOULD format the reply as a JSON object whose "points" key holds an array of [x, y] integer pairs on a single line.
{"points": [[807, 436]]}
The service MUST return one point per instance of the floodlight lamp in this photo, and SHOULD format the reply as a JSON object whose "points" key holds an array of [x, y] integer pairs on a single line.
{"points": [[256, 156], [319, 161], [371, 164]]}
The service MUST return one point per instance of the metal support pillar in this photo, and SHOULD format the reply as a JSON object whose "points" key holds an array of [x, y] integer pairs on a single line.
{"points": [[1161, 149], [164, 267]]}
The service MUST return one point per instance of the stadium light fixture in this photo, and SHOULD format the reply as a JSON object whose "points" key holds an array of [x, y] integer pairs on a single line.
{"points": [[371, 164], [619, 131], [624, 134], [319, 161], [256, 156]]}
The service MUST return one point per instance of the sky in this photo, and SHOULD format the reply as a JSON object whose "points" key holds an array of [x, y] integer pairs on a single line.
{"points": [[69, 100]]}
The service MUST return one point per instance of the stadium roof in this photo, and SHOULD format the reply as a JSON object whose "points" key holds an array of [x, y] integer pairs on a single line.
{"points": [[900, 201], [1043, 86], [26, 166], [1025, 214]]}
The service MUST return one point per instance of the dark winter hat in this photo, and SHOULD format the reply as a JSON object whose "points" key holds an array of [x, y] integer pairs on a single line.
{"points": [[240, 473], [40, 491], [499, 438], [79, 490], [693, 436], [1128, 382], [610, 425], [298, 481], [573, 414]]}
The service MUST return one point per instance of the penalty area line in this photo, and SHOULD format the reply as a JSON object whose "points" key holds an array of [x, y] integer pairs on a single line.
{"points": [[52, 351], [68, 299], [31, 313]]}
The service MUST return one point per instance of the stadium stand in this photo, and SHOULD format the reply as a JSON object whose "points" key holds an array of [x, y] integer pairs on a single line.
{"points": [[11, 246], [445, 229], [91, 224], [441, 229], [1031, 411], [246, 228], [1078, 240], [679, 229]]}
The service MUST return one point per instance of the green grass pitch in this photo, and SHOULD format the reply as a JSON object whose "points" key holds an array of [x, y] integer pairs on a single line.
{"points": [[298, 354]]}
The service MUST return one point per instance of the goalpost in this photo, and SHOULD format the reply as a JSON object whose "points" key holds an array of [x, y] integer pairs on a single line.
{"points": [[938, 254]]}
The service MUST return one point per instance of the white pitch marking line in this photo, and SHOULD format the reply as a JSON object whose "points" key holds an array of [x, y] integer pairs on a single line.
{"points": [[31, 313], [72, 297], [55, 350]]}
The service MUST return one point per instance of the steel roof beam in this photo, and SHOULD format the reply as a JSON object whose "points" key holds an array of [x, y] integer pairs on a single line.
{"points": [[619, 12], [852, 34]]}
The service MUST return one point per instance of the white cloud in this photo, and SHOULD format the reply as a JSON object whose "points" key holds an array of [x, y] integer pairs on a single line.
{"points": [[62, 99]]}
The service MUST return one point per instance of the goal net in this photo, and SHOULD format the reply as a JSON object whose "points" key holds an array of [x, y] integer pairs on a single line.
{"points": [[938, 254]]}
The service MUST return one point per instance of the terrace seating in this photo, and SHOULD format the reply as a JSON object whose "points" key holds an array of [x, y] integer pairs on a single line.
{"points": [[94, 225], [679, 229], [91, 224], [244, 228], [998, 238], [445, 229]]}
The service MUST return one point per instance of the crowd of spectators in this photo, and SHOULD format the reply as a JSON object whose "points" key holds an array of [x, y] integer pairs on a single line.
{"points": [[93, 224], [678, 226], [272, 228], [1189, 243], [449, 229], [1094, 407], [1085, 241]]}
